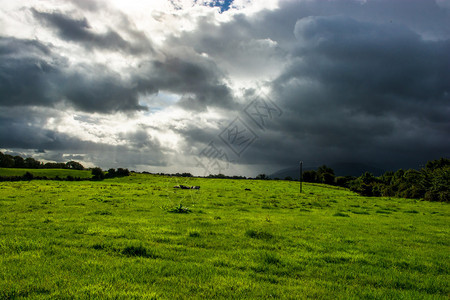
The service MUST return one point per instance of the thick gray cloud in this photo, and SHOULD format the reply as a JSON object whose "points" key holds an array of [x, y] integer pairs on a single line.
{"points": [[32, 74], [366, 88], [376, 92], [199, 80], [357, 81], [21, 128], [24, 128], [80, 31], [25, 74]]}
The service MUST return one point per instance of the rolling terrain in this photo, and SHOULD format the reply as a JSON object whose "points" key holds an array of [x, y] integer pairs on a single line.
{"points": [[138, 237]]}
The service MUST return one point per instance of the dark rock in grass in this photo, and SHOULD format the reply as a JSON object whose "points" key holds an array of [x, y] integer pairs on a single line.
{"points": [[248, 189]]}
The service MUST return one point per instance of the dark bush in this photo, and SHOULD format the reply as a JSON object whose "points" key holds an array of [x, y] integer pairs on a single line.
{"points": [[28, 176], [97, 174], [309, 176]]}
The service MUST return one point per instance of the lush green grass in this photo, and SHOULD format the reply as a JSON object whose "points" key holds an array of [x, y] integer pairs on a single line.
{"points": [[117, 239], [49, 173]]}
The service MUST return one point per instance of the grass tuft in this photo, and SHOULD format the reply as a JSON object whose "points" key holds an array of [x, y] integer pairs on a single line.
{"points": [[411, 211], [194, 234], [260, 235], [139, 251], [271, 259], [179, 209], [341, 214]]}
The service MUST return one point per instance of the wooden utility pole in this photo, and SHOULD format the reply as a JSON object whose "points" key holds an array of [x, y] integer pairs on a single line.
{"points": [[301, 176]]}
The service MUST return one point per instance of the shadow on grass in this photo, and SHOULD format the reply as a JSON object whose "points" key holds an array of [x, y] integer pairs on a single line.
{"points": [[260, 235], [138, 251]]}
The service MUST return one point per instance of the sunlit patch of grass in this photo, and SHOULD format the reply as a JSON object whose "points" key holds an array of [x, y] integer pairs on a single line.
{"points": [[111, 239]]}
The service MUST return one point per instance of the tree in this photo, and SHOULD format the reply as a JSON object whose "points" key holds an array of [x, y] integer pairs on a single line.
{"points": [[122, 172], [325, 175], [344, 180], [439, 189], [220, 175], [52, 165], [74, 165], [19, 162], [111, 173], [97, 173], [327, 178], [6, 161], [31, 163], [28, 176], [324, 169], [364, 185], [262, 177], [309, 176], [437, 164]]}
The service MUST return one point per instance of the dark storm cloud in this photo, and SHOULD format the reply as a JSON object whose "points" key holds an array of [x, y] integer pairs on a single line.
{"points": [[32, 74], [20, 128], [24, 128], [370, 91], [365, 82], [140, 139], [80, 31], [424, 17], [198, 79], [26, 76], [238, 46], [94, 88]]}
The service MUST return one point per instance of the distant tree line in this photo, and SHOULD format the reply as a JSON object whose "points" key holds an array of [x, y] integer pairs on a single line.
{"points": [[220, 175], [99, 174], [431, 183], [29, 176], [9, 161]]}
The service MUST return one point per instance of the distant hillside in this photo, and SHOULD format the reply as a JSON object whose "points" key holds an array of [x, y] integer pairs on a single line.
{"points": [[49, 173], [340, 169]]}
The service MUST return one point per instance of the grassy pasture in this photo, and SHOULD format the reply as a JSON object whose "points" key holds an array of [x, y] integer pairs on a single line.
{"points": [[116, 239], [50, 173]]}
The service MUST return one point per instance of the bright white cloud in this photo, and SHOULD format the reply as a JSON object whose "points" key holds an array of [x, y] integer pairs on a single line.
{"points": [[151, 83]]}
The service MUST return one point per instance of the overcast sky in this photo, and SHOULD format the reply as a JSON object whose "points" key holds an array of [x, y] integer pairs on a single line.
{"points": [[235, 87]]}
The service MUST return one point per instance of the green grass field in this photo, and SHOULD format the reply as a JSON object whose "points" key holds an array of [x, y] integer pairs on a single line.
{"points": [[50, 173], [117, 239]]}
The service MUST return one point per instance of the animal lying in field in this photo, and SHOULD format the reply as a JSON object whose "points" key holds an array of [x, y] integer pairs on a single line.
{"points": [[185, 187]]}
